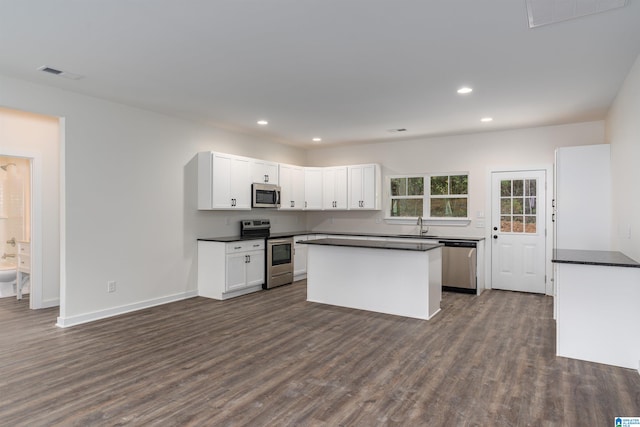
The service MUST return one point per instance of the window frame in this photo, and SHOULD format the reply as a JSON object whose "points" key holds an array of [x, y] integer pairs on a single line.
{"points": [[426, 200]]}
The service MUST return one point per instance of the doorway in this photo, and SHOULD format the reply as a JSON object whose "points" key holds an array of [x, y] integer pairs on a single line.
{"points": [[518, 230], [15, 225], [36, 139]]}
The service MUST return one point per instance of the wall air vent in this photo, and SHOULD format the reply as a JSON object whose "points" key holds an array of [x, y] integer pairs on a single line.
{"points": [[61, 73], [543, 12]]}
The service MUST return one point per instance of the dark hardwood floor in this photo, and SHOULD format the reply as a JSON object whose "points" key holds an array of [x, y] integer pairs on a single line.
{"points": [[272, 359]]}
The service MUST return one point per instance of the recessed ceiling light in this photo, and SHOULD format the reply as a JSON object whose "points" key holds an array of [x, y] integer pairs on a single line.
{"points": [[316, 139], [263, 122], [486, 119], [464, 90]]}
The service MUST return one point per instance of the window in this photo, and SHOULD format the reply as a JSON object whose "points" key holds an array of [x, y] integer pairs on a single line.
{"points": [[448, 196], [518, 212], [407, 196], [445, 197]]}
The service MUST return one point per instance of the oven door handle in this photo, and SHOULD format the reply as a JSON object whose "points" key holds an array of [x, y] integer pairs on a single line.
{"points": [[279, 242]]}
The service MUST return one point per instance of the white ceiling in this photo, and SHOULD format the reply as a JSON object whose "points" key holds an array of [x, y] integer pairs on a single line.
{"points": [[344, 70]]}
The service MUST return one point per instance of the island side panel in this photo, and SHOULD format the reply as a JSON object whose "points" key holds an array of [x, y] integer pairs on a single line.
{"points": [[385, 281], [597, 314], [435, 281]]}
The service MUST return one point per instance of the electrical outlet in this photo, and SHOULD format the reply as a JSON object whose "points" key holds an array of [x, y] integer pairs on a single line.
{"points": [[111, 286]]}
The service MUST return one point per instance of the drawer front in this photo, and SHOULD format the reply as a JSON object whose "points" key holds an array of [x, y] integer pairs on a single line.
{"points": [[24, 263], [24, 248], [244, 246]]}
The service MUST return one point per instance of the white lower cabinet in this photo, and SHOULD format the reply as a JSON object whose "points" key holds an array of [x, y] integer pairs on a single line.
{"points": [[227, 270]]}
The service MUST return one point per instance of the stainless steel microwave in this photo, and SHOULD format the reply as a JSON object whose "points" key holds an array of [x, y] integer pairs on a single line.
{"points": [[265, 196]]}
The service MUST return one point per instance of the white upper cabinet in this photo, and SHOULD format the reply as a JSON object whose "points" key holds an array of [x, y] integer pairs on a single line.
{"points": [[313, 188], [365, 187], [264, 172], [292, 183], [224, 181], [334, 186]]}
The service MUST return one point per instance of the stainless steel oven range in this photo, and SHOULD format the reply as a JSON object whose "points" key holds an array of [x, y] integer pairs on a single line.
{"points": [[279, 262], [279, 253]]}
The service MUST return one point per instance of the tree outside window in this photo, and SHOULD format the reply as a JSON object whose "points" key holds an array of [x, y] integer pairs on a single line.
{"points": [[445, 197], [448, 196]]}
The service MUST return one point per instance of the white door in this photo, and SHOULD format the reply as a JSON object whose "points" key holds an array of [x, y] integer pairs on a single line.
{"points": [[236, 271], [341, 188], [329, 189], [255, 268], [313, 188], [221, 181], [355, 187], [241, 183], [518, 231]]}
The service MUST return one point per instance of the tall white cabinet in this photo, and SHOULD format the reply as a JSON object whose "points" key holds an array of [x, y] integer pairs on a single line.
{"points": [[582, 199]]}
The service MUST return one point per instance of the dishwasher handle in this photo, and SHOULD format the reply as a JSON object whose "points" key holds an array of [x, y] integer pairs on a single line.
{"points": [[472, 266]]}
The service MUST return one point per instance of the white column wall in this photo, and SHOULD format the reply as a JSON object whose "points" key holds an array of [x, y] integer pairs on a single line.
{"points": [[623, 133]]}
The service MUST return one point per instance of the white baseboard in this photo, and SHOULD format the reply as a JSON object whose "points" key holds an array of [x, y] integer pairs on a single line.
{"points": [[48, 303], [115, 311]]}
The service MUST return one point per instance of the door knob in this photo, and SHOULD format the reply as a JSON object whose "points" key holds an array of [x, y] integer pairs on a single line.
{"points": [[495, 228], [495, 236]]}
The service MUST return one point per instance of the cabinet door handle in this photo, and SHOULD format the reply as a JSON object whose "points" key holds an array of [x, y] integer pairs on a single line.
{"points": [[237, 247], [305, 203], [266, 178], [248, 258]]}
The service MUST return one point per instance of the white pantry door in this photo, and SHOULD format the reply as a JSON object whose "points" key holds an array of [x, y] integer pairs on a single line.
{"points": [[518, 231]]}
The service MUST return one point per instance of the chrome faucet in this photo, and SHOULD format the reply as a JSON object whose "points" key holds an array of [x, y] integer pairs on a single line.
{"points": [[420, 223]]}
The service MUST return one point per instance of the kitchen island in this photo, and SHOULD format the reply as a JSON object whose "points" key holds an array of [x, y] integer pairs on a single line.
{"points": [[597, 294], [403, 279]]}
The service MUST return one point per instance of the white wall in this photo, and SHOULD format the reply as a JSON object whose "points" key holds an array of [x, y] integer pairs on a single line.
{"points": [[33, 135], [623, 133], [474, 153], [129, 199]]}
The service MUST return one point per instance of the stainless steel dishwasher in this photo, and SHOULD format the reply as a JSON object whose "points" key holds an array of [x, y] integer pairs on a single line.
{"points": [[459, 262]]}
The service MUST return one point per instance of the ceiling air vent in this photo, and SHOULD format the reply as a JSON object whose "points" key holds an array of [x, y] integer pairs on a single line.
{"points": [[60, 73], [543, 12], [50, 70]]}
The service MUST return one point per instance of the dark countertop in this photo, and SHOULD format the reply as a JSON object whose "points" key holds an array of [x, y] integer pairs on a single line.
{"points": [[373, 244], [280, 235], [229, 239], [402, 236], [604, 258], [333, 233]]}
